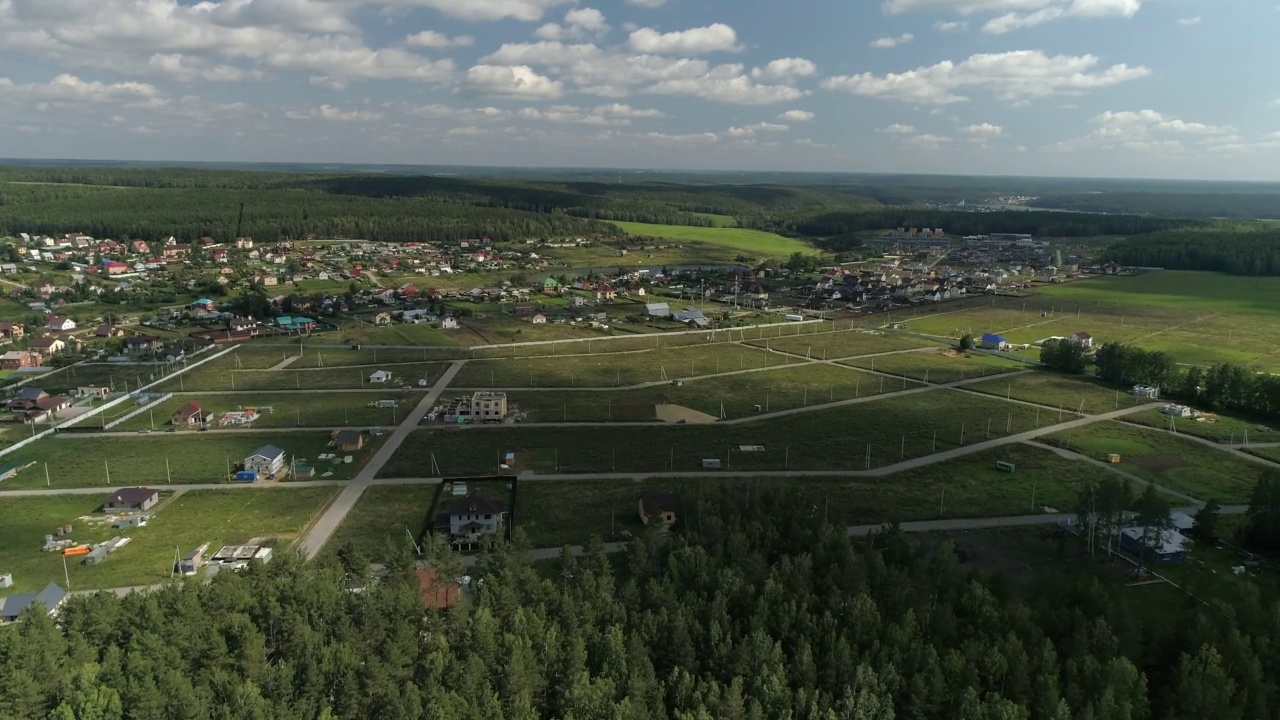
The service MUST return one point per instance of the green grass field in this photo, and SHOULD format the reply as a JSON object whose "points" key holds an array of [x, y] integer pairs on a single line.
{"points": [[224, 377], [1180, 464], [385, 513], [1057, 390], [738, 395], [182, 522], [1219, 428], [616, 369], [895, 428], [753, 241], [937, 367], [290, 410], [85, 460], [816, 341], [718, 220], [559, 513]]}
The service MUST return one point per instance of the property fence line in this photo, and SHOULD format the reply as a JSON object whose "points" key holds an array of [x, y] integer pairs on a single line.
{"points": [[108, 405], [137, 412]]}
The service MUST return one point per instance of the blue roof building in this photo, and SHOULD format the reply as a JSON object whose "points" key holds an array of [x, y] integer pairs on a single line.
{"points": [[993, 342], [50, 597]]}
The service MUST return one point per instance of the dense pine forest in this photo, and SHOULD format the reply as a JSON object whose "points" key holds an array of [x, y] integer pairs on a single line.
{"points": [[751, 609], [1234, 249], [153, 203]]}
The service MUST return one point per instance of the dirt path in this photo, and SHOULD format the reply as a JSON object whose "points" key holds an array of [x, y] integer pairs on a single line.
{"points": [[282, 364]]}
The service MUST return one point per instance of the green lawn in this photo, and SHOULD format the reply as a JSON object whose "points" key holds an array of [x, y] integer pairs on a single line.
{"points": [[85, 460], [718, 220], [119, 377], [1178, 290], [290, 410], [181, 523], [757, 242], [937, 367], [1057, 390], [738, 395], [616, 369], [570, 512], [1183, 465], [895, 428]]}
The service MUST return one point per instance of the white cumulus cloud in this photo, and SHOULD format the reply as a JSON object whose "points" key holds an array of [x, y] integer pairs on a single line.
{"points": [[796, 116], [1010, 76], [717, 37], [512, 81], [982, 131], [433, 39], [893, 41], [331, 113]]}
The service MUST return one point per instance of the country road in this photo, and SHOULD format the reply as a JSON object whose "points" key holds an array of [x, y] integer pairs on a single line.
{"points": [[324, 526], [218, 432]]}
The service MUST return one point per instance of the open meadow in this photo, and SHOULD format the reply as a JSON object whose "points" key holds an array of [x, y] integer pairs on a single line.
{"points": [[271, 515], [223, 377], [616, 369], [737, 396], [1227, 429], [85, 460], [1199, 317], [1070, 392], [938, 367], [756, 242], [820, 343], [872, 434], [303, 410], [1181, 464]]}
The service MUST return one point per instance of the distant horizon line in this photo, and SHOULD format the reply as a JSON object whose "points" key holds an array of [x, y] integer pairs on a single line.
{"points": [[417, 168]]}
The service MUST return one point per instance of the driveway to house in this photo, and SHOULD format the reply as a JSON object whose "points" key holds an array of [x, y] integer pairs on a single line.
{"points": [[324, 527]]}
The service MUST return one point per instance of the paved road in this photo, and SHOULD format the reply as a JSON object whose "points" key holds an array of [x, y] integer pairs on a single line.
{"points": [[324, 527], [295, 391]]}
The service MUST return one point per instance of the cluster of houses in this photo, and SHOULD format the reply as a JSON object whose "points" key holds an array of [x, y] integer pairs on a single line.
{"points": [[33, 405]]}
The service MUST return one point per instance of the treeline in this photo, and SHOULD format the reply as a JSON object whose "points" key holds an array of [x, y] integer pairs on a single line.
{"points": [[1225, 386], [1237, 251], [1050, 224], [1238, 205], [152, 214], [753, 610]]}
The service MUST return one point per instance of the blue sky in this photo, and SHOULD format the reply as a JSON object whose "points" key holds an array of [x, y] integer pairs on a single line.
{"points": [[1108, 88]]}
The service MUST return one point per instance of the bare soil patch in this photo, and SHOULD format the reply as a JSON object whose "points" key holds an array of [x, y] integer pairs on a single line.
{"points": [[678, 413]]}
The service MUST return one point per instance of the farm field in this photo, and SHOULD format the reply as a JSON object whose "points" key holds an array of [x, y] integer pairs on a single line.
{"points": [[1219, 428], [289, 410], [85, 461], [1174, 462], [834, 439], [1057, 390], [558, 513], [339, 378], [183, 522], [843, 343], [938, 367], [738, 395], [758, 242], [345, 357], [616, 369], [352, 333]]}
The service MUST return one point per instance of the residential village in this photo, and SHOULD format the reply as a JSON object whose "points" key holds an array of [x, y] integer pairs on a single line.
{"points": [[135, 301]]}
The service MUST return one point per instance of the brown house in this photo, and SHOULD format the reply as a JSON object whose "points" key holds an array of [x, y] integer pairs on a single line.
{"points": [[658, 509], [10, 331], [18, 359], [108, 331], [190, 414], [348, 440]]}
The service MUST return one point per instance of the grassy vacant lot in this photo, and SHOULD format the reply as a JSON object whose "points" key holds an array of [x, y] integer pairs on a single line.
{"points": [[117, 376], [773, 390], [384, 514], [1267, 453], [1200, 318], [1183, 465], [84, 460], [1219, 428], [834, 439], [570, 512], [1054, 389], [819, 343], [616, 369], [757, 242], [939, 367], [182, 522], [231, 378], [290, 410]]}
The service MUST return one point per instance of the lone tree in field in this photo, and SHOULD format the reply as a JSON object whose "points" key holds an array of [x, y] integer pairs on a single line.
{"points": [[966, 342]]}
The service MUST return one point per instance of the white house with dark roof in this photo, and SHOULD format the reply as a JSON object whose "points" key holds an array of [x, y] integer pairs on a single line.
{"points": [[267, 461], [1083, 339], [50, 598]]}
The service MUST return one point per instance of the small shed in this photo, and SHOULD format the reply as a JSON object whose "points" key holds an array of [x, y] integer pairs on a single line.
{"points": [[96, 556], [6, 580], [1146, 392], [379, 376], [246, 476], [990, 341], [711, 463]]}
